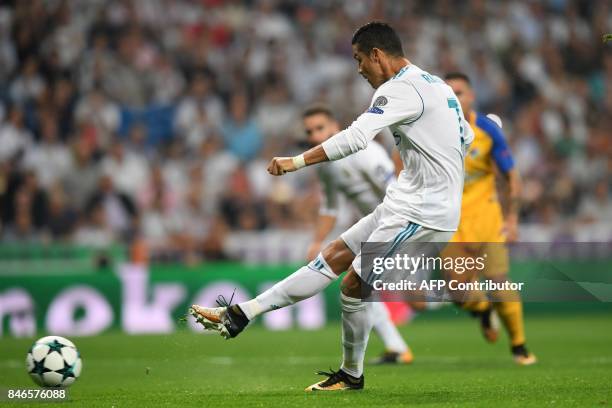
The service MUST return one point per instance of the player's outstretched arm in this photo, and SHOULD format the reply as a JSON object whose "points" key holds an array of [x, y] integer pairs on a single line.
{"points": [[397, 162], [512, 191], [325, 225], [281, 165], [392, 103]]}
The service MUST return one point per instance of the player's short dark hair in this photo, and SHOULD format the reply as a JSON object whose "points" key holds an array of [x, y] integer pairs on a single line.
{"points": [[318, 109], [377, 34], [457, 75]]}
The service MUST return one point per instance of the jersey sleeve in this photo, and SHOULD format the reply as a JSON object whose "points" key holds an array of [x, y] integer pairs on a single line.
{"points": [[329, 193], [500, 151], [393, 102], [468, 135]]}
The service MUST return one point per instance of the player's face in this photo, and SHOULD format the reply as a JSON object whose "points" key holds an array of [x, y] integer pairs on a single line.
{"points": [[319, 128], [369, 66], [464, 92]]}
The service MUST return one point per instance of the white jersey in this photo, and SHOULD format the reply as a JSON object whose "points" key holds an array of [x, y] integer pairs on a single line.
{"points": [[362, 178], [429, 129]]}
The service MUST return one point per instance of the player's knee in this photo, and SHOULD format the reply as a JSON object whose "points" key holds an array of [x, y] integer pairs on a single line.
{"points": [[338, 256], [503, 295], [351, 285]]}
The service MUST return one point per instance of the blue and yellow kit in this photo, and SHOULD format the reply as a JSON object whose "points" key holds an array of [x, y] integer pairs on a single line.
{"points": [[481, 212]]}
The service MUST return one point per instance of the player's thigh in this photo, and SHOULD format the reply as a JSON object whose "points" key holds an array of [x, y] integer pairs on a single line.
{"points": [[398, 233], [458, 251], [467, 230], [494, 246], [483, 224], [361, 230], [382, 232], [340, 253], [481, 234], [488, 231], [498, 260], [429, 235], [426, 242]]}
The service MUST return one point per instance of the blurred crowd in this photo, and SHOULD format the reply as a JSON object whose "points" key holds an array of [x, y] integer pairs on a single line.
{"points": [[151, 122]]}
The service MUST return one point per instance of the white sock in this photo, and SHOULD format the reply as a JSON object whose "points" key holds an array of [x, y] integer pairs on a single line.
{"points": [[386, 330], [356, 326], [302, 284]]}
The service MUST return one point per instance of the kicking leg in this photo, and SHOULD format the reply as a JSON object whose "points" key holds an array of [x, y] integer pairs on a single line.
{"points": [[230, 320]]}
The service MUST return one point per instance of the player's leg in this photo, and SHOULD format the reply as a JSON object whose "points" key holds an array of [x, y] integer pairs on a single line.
{"points": [[511, 315], [396, 349], [357, 322], [477, 304], [507, 303], [305, 282], [230, 320], [381, 316], [383, 325], [465, 243], [357, 319], [357, 316]]}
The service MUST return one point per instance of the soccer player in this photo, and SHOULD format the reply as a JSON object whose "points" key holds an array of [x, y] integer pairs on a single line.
{"points": [[482, 220], [424, 204], [362, 178]]}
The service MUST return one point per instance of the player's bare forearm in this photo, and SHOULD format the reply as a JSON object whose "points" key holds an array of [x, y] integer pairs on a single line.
{"points": [[397, 161], [513, 193], [281, 165], [315, 155], [325, 224]]}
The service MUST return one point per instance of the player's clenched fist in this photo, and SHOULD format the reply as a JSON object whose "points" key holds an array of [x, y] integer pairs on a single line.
{"points": [[281, 165]]}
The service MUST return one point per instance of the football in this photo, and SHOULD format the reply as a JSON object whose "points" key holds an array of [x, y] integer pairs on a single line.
{"points": [[54, 361]]}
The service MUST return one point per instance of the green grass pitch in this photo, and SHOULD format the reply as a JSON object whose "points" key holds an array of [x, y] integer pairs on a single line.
{"points": [[453, 367]]}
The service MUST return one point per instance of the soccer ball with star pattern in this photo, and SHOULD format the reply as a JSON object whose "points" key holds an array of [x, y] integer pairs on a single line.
{"points": [[54, 361]]}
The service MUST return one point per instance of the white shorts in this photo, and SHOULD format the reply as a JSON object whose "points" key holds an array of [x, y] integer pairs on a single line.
{"points": [[381, 225]]}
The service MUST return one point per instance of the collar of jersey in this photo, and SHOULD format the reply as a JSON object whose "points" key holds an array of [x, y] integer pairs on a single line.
{"points": [[401, 71]]}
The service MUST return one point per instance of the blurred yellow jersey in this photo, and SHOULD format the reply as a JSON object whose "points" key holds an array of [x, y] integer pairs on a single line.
{"points": [[481, 213]]}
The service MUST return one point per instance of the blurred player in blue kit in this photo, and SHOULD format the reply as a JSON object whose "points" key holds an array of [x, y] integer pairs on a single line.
{"points": [[483, 225]]}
